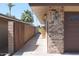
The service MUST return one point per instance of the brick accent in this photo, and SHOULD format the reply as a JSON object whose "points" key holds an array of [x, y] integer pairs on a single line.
{"points": [[55, 30], [10, 37]]}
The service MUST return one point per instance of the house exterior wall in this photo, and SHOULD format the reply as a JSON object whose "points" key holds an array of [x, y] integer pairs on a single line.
{"points": [[39, 11], [55, 30], [55, 33], [55, 40], [71, 8], [55, 43]]}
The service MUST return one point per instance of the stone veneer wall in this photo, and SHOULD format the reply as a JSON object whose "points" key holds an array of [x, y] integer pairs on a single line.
{"points": [[55, 30]]}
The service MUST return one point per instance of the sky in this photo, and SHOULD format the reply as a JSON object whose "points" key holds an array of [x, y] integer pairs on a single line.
{"points": [[17, 11]]}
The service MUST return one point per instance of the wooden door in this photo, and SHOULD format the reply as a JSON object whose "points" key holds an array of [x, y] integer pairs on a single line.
{"points": [[71, 32]]}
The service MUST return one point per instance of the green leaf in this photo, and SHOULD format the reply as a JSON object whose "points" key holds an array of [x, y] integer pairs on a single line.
{"points": [[27, 16]]}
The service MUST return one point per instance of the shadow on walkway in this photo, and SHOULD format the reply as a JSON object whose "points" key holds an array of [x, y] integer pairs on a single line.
{"points": [[71, 53], [30, 45]]}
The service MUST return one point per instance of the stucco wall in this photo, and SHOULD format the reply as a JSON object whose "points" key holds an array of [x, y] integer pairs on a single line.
{"points": [[3, 33], [39, 11], [71, 8]]}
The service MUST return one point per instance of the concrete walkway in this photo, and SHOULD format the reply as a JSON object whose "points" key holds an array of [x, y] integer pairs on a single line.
{"points": [[35, 46]]}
